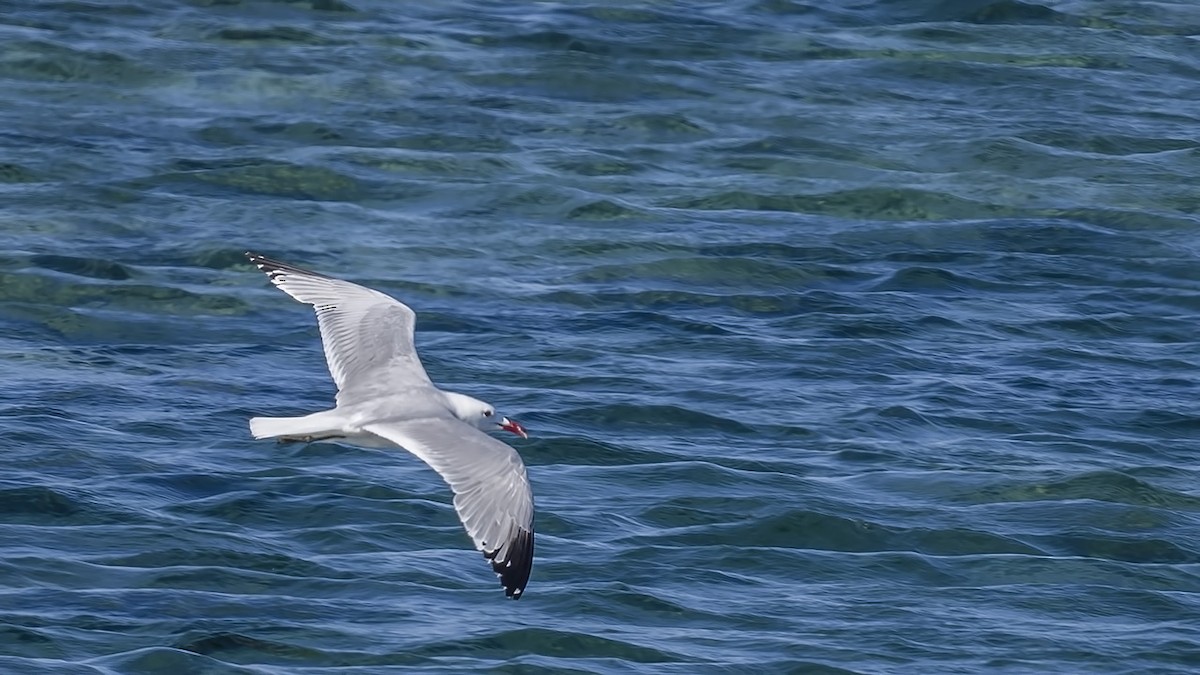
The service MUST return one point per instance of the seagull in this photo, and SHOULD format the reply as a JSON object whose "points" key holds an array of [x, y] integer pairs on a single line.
{"points": [[386, 400]]}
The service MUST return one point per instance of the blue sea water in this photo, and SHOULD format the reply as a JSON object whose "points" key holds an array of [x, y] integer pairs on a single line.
{"points": [[853, 337]]}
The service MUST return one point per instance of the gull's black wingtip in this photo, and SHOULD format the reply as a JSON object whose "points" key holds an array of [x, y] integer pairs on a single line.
{"points": [[274, 268], [262, 262], [514, 570]]}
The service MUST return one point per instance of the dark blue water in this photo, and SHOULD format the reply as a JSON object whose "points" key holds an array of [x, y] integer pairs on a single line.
{"points": [[853, 337]]}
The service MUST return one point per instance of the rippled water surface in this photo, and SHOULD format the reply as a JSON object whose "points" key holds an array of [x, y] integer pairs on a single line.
{"points": [[853, 337]]}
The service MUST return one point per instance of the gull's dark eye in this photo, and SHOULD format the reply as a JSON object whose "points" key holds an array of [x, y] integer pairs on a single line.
{"points": [[487, 413]]}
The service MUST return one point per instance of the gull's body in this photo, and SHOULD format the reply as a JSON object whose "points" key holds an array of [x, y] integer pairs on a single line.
{"points": [[385, 399]]}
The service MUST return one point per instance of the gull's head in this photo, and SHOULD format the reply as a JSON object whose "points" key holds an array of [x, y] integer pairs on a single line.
{"points": [[482, 415]]}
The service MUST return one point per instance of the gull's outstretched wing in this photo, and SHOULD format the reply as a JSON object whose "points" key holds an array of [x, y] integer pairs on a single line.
{"points": [[367, 335], [491, 489]]}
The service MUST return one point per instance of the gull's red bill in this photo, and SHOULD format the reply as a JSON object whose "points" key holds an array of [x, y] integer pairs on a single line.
{"points": [[513, 426]]}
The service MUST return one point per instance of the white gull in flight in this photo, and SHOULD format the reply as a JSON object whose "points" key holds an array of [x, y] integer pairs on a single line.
{"points": [[385, 399]]}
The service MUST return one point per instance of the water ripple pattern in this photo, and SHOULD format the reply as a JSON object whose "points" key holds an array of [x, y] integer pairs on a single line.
{"points": [[853, 337]]}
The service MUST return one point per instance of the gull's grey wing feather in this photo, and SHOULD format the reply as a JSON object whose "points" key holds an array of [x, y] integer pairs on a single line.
{"points": [[367, 335], [491, 489]]}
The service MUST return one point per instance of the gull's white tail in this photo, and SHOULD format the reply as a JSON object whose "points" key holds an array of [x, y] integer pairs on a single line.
{"points": [[316, 424]]}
